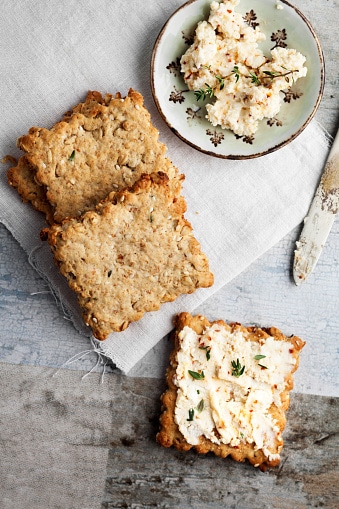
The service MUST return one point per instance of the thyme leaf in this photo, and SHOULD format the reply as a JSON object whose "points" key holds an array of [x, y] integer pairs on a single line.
{"points": [[197, 376], [221, 81], [271, 74], [71, 157], [237, 370], [236, 73], [208, 351], [258, 358], [254, 78], [191, 414], [201, 405]]}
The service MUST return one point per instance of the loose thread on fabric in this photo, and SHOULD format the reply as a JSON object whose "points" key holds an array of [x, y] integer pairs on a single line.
{"points": [[101, 359], [43, 292], [54, 291], [67, 315]]}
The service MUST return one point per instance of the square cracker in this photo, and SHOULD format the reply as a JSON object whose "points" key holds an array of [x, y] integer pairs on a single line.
{"points": [[228, 390], [132, 254], [104, 144]]}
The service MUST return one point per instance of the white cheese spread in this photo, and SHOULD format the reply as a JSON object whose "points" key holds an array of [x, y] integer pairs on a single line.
{"points": [[214, 403], [246, 84]]}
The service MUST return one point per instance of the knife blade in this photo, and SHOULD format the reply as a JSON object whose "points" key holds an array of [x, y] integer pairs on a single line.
{"points": [[320, 218]]}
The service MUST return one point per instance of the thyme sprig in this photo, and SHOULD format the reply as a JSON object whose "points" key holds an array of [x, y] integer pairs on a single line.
{"points": [[208, 91], [238, 369], [203, 93], [270, 75]]}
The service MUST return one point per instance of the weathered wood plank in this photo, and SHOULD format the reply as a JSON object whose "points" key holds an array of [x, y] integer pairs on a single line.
{"points": [[141, 474], [323, 17], [58, 431]]}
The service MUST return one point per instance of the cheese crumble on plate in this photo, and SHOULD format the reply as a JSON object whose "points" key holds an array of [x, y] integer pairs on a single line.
{"points": [[225, 63], [228, 389]]}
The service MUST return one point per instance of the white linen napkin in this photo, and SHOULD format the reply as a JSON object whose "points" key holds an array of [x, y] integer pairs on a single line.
{"points": [[55, 52]]}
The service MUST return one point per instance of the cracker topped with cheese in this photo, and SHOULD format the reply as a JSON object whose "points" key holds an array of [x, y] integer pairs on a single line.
{"points": [[228, 389]]}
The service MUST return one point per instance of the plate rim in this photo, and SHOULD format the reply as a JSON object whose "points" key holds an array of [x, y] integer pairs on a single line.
{"points": [[235, 156]]}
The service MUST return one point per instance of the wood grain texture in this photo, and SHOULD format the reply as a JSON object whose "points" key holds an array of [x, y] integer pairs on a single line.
{"points": [[55, 432], [323, 17], [141, 474], [69, 442]]}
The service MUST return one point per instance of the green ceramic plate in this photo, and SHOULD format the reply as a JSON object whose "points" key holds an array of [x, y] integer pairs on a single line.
{"points": [[286, 26]]}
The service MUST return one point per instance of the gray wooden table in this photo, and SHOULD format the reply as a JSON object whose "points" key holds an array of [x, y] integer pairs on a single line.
{"points": [[139, 473]]}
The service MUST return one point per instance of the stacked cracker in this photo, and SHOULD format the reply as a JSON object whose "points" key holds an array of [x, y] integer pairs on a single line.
{"points": [[115, 210]]}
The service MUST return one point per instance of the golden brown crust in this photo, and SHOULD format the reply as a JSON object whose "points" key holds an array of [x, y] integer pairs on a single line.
{"points": [[169, 433], [104, 144], [22, 178], [132, 254]]}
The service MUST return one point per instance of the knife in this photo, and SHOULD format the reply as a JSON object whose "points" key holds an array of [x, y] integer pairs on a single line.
{"points": [[320, 218]]}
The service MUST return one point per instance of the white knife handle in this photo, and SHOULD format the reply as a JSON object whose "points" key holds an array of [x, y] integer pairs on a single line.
{"points": [[328, 189], [320, 218]]}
